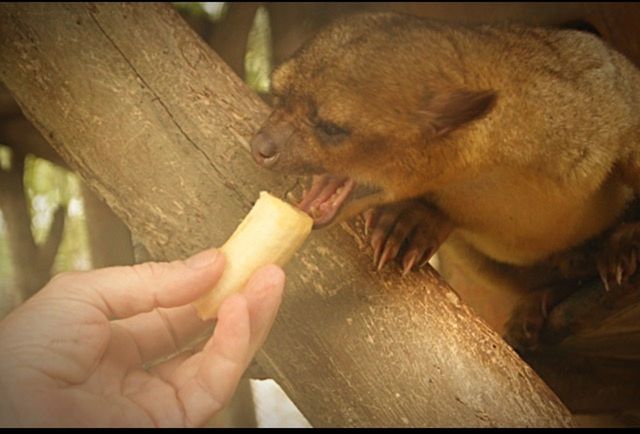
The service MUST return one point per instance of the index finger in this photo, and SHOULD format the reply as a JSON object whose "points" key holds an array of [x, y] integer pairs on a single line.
{"points": [[121, 292]]}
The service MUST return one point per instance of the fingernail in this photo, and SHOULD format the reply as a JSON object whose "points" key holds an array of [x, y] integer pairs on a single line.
{"points": [[202, 259]]}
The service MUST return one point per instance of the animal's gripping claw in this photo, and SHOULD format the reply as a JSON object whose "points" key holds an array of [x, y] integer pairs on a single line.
{"points": [[409, 230], [618, 261]]}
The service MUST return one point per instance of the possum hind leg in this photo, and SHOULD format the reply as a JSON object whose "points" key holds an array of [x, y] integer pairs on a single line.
{"points": [[618, 259], [524, 330], [410, 230], [614, 256], [550, 283]]}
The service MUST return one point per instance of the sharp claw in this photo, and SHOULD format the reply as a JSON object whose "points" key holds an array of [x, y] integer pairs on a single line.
{"points": [[376, 256], [603, 276], [619, 274], [368, 217], [377, 238], [377, 249], [292, 198], [425, 258], [408, 262], [386, 256]]}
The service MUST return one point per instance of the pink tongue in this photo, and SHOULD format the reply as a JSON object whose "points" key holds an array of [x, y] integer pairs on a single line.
{"points": [[322, 187]]}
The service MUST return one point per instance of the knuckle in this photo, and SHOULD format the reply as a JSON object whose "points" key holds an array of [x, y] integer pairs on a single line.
{"points": [[65, 278], [149, 272], [149, 269]]}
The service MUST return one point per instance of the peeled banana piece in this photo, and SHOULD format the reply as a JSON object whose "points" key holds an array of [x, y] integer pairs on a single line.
{"points": [[271, 233]]}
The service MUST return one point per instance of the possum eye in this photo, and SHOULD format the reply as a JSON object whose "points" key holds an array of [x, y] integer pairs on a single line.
{"points": [[330, 130]]}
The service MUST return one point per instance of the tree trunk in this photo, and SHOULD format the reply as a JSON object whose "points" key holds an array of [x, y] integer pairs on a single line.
{"points": [[159, 127]]}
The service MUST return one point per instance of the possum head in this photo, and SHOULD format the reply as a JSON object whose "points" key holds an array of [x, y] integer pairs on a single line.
{"points": [[364, 107]]}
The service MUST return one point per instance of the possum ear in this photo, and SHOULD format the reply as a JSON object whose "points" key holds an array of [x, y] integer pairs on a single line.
{"points": [[448, 110]]}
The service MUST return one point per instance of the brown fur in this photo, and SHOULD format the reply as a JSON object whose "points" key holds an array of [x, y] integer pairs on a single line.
{"points": [[527, 139]]}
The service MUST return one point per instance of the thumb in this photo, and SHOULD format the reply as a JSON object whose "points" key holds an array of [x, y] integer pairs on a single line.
{"points": [[121, 292]]}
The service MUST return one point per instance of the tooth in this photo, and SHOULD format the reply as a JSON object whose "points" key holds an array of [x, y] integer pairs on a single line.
{"points": [[292, 198], [602, 271], [619, 274]]}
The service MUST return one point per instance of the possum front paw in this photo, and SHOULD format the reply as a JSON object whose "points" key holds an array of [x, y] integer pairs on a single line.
{"points": [[618, 261], [409, 230]]}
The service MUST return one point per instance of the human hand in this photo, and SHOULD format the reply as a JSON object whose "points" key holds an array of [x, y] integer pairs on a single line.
{"points": [[74, 354]]}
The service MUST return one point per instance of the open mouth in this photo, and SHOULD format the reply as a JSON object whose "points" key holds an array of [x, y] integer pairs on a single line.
{"points": [[327, 195]]}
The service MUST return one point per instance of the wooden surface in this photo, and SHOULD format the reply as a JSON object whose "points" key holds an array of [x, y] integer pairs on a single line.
{"points": [[159, 127]]}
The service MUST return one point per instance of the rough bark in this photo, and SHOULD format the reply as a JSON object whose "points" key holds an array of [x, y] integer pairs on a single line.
{"points": [[159, 126]]}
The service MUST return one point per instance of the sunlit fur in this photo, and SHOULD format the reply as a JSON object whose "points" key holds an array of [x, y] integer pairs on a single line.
{"points": [[535, 171]]}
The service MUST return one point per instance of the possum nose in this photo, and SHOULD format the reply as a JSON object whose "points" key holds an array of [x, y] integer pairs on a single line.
{"points": [[264, 150]]}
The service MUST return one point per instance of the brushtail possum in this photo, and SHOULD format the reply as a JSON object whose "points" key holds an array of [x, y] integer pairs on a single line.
{"points": [[514, 148]]}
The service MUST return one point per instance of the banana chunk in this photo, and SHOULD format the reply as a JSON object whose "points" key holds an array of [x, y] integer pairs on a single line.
{"points": [[270, 234]]}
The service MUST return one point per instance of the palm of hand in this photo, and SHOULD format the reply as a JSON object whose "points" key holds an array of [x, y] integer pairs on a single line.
{"points": [[76, 367]]}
